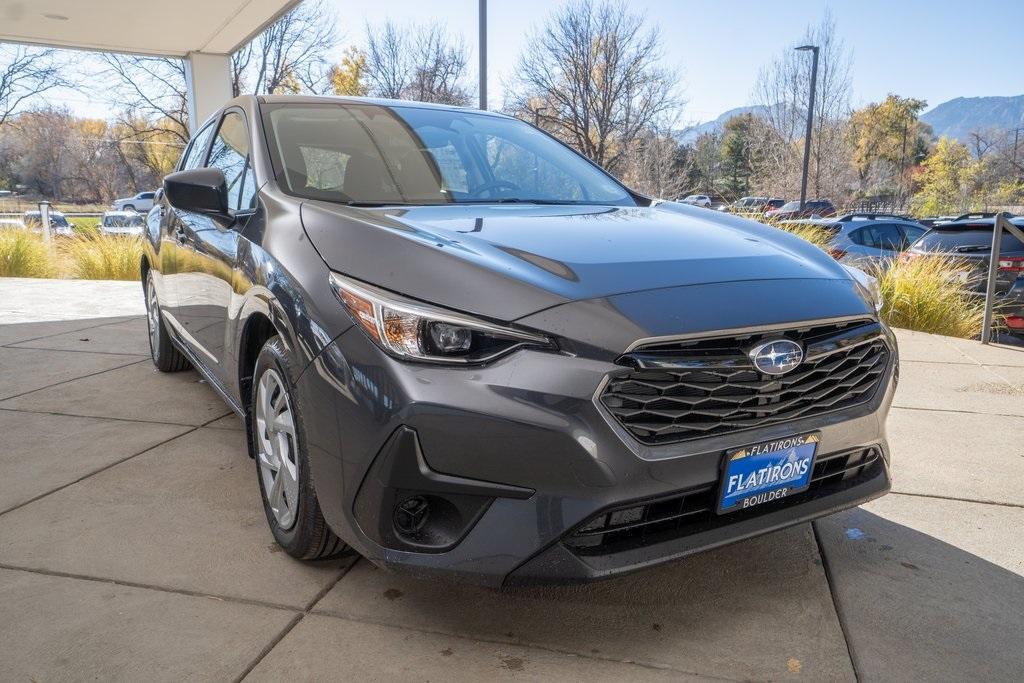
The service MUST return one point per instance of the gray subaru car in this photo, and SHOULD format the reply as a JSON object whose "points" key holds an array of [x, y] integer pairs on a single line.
{"points": [[462, 349]]}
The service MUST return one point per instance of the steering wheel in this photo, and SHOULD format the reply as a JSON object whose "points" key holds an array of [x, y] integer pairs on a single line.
{"points": [[493, 188]]}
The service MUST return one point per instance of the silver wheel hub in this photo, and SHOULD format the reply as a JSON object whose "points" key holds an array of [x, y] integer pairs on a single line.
{"points": [[153, 318], [276, 448]]}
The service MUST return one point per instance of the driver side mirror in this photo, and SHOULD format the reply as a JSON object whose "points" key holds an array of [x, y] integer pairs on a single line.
{"points": [[200, 190]]}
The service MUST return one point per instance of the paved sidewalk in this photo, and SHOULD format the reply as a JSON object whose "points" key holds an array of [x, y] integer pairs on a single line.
{"points": [[133, 545]]}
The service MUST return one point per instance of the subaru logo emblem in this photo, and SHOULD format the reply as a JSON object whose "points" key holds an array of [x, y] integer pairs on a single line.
{"points": [[776, 357]]}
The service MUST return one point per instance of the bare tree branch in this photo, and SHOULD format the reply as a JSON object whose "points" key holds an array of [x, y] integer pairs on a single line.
{"points": [[416, 62], [24, 73], [590, 76]]}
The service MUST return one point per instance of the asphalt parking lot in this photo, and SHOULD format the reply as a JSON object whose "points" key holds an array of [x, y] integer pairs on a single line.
{"points": [[133, 545]]}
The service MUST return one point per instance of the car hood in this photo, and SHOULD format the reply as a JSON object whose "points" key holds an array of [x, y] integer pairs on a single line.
{"points": [[507, 261]]}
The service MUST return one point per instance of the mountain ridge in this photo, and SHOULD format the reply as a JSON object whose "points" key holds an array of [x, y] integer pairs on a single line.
{"points": [[955, 118]]}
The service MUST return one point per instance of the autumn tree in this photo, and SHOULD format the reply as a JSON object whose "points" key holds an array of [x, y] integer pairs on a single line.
{"points": [[591, 77], [945, 180], [348, 77], [421, 62], [71, 158], [887, 139]]}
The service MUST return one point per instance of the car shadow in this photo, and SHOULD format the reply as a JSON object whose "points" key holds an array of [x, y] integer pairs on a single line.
{"points": [[916, 607], [903, 604]]}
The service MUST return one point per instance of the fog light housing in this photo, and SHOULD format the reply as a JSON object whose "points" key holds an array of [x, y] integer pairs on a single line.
{"points": [[412, 515]]}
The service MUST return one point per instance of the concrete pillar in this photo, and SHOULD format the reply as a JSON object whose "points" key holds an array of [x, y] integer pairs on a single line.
{"points": [[208, 80]]}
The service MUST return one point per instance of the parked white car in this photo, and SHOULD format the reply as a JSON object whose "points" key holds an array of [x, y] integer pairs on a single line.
{"points": [[697, 200], [143, 202], [122, 223]]}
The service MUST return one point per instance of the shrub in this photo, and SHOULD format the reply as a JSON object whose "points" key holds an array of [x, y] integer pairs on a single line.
{"points": [[927, 294], [86, 225], [103, 257], [25, 254], [814, 234]]}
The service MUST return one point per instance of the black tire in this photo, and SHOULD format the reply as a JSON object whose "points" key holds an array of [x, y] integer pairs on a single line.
{"points": [[166, 356], [128, 207], [308, 537]]}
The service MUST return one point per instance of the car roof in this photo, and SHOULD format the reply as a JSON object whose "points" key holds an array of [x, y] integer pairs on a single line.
{"points": [[986, 222], [346, 99]]}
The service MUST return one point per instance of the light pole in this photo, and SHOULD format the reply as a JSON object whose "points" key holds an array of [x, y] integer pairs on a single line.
{"points": [[810, 120], [483, 54]]}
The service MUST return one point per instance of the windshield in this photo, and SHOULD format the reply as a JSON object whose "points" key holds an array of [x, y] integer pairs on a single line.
{"points": [[376, 155], [791, 206], [132, 221], [56, 219]]}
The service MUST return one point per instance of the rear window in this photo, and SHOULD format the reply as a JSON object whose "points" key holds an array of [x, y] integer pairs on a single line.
{"points": [[976, 240]]}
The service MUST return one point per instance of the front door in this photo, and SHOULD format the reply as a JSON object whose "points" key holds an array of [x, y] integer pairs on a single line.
{"points": [[173, 248], [206, 269]]}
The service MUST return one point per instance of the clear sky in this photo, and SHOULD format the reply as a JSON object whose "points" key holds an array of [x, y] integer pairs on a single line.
{"points": [[931, 49], [935, 50]]}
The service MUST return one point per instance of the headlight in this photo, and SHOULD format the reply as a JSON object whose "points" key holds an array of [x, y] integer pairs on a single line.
{"points": [[416, 331], [868, 284]]}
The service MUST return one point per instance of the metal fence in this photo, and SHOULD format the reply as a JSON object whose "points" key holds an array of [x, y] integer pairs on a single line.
{"points": [[1000, 224]]}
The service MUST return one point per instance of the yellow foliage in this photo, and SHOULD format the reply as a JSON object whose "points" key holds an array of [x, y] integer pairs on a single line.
{"points": [[945, 180], [347, 77], [24, 254], [926, 293], [103, 257]]}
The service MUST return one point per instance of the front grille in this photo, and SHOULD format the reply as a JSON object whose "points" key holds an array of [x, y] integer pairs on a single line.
{"points": [[695, 388], [637, 524]]}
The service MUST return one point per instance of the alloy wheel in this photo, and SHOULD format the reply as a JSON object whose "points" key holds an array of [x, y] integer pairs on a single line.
{"points": [[276, 448]]}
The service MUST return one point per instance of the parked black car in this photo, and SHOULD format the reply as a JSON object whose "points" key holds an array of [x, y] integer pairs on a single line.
{"points": [[969, 238], [813, 208], [461, 348]]}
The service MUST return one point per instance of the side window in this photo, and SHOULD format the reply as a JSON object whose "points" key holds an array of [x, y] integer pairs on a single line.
{"points": [[881, 237], [197, 148], [230, 153], [860, 237], [912, 234], [890, 237]]}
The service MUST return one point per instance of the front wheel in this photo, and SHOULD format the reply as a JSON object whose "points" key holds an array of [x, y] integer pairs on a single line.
{"points": [[282, 464]]}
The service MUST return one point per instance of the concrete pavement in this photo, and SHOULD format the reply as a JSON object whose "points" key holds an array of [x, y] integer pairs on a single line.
{"points": [[133, 546]]}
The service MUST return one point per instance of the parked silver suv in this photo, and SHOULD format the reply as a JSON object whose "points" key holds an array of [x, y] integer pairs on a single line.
{"points": [[141, 202], [867, 238]]}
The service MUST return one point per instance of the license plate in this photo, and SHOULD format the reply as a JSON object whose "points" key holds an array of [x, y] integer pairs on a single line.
{"points": [[766, 472]]}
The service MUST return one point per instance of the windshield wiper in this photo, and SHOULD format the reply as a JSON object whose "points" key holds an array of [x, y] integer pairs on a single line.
{"points": [[359, 204]]}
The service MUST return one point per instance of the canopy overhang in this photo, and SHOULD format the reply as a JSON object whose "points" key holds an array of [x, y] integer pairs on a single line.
{"points": [[203, 32]]}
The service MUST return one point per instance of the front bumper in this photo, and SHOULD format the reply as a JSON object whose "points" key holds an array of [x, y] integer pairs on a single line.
{"points": [[528, 457]]}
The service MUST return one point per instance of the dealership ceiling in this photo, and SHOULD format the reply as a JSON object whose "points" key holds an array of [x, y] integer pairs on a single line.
{"points": [[152, 28]]}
